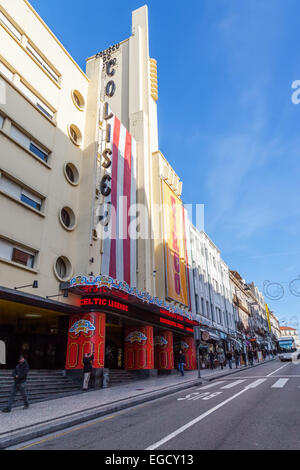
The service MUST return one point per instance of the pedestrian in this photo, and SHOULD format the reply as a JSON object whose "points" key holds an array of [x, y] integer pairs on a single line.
{"points": [[244, 358], [229, 359], [250, 357], [211, 356], [181, 362], [221, 358], [87, 369], [20, 375], [237, 358]]}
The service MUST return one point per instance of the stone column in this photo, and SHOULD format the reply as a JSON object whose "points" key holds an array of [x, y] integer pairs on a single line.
{"points": [[139, 348], [86, 334], [163, 350], [189, 350]]}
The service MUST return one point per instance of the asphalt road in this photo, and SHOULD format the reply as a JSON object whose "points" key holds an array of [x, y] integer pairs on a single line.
{"points": [[255, 409]]}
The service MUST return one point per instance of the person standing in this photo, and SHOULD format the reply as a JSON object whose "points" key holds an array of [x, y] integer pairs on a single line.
{"points": [[237, 358], [211, 356], [20, 376], [229, 359], [221, 358], [87, 369], [181, 362], [250, 357]]}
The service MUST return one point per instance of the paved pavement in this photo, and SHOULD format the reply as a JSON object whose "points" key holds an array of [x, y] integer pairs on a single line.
{"points": [[54, 415]]}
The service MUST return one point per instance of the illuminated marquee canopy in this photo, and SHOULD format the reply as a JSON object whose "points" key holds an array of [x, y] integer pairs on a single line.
{"points": [[82, 282]]}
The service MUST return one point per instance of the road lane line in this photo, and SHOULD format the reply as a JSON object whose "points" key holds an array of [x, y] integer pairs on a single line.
{"points": [[280, 383], [233, 384], [256, 383], [195, 421], [269, 375], [211, 385]]}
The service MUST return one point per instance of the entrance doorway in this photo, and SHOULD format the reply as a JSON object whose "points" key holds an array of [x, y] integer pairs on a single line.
{"points": [[38, 334], [114, 343]]}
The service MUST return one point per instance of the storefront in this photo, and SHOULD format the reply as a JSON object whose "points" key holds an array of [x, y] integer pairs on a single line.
{"points": [[127, 329], [34, 327], [123, 331]]}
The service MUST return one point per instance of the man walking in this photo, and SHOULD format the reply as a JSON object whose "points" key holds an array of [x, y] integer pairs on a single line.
{"points": [[20, 375], [181, 362], [221, 358], [250, 357], [211, 356], [237, 358], [229, 358], [87, 369]]}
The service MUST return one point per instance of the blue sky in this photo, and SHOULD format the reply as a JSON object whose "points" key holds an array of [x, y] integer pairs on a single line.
{"points": [[226, 120]]}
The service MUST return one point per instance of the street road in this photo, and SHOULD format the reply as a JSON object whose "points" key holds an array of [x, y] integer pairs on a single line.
{"points": [[256, 409]]}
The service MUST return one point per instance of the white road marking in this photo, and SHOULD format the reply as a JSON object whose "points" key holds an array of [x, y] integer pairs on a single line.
{"points": [[255, 384], [280, 383], [215, 394], [269, 375], [211, 385], [233, 384], [194, 421]]}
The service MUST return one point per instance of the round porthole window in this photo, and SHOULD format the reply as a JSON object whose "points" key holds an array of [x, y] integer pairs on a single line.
{"points": [[75, 134], [71, 173], [78, 100], [67, 218], [63, 268]]}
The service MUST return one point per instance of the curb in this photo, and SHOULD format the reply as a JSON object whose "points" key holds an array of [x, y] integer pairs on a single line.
{"points": [[237, 370], [37, 430]]}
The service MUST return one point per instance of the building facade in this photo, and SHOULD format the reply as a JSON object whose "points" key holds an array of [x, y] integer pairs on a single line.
{"points": [[211, 295], [92, 230], [287, 332]]}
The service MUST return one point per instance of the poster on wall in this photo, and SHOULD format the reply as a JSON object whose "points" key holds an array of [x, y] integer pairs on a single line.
{"points": [[175, 249]]}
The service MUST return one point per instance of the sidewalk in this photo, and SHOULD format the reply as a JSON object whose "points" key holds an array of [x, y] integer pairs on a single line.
{"points": [[54, 415]]}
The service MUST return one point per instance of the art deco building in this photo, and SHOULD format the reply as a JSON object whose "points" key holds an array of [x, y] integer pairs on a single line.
{"points": [[80, 169]]}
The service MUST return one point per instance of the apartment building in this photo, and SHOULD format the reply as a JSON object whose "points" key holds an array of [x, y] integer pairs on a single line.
{"points": [[211, 295]]}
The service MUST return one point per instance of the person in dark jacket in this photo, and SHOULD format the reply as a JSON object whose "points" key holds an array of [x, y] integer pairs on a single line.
{"points": [[229, 358], [211, 356], [87, 369], [20, 375], [181, 362], [250, 357], [237, 358]]}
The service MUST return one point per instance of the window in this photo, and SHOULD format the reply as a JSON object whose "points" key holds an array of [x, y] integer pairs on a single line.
{"points": [[12, 252], [75, 134], [31, 200], [1, 121], [42, 62], [67, 218], [202, 306], [26, 142], [10, 26], [78, 99], [17, 191], [71, 173], [63, 268], [38, 152], [36, 101]]}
